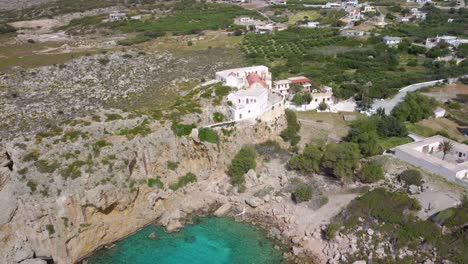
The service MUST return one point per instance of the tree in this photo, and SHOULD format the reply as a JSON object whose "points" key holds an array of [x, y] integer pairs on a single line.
{"points": [[242, 162], [308, 161], [298, 99], [411, 177], [364, 132], [341, 160], [371, 173], [414, 108], [446, 147], [389, 126], [323, 106]]}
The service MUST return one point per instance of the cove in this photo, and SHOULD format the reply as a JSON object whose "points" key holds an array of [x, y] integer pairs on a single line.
{"points": [[207, 240]]}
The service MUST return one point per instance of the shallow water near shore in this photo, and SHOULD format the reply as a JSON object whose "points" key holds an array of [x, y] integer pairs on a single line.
{"points": [[207, 240]]}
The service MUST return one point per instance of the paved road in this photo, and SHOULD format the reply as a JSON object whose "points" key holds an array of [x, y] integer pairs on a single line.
{"points": [[389, 104]]}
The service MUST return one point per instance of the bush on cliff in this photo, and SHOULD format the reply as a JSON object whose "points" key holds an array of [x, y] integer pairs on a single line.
{"points": [[242, 162]]}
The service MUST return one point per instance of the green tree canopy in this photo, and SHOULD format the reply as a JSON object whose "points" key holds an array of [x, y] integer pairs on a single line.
{"points": [[341, 159]]}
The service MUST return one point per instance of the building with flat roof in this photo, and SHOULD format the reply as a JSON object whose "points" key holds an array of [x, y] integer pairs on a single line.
{"points": [[428, 155]]}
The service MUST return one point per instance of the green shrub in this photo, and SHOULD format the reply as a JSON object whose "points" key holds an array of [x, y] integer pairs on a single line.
{"points": [[172, 165], [50, 229], [99, 144], [308, 161], [411, 177], [218, 117], [32, 185], [65, 221], [183, 181], [44, 166], [112, 117], [182, 129], [371, 173], [290, 133], [302, 194], [208, 135], [73, 135], [73, 170], [155, 182], [135, 40], [31, 156], [269, 149], [141, 129], [242, 162], [330, 231]]}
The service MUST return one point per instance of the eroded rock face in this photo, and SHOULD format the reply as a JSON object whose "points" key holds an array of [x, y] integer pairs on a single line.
{"points": [[68, 218]]}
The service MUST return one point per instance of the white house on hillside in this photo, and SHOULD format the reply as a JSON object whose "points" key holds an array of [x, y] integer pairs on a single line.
{"points": [[238, 77], [391, 41], [450, 40], [248, 103], [117, 17], [283, 86], [322, 94]]}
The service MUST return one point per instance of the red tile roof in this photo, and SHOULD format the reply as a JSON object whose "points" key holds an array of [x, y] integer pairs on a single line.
{"points": [[299, 80], [254, 78]]}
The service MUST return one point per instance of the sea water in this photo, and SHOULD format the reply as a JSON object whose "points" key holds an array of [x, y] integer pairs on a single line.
{"points": [[208, 240]]}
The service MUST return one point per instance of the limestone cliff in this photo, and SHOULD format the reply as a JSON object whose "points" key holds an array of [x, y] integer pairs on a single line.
{"points": [[86, 185]]}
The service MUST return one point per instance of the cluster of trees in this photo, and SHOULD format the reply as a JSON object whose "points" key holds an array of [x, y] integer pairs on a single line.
{"points": [[414, 108], [302, 98], [366, 132], [339, 160]]}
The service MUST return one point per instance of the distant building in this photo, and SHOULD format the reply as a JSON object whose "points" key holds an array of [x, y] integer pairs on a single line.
{"points": [[420, 2], [355, 14], [312, 24], [283, 86], [369, 9], [333, 5], [404, 19], [439, 112], [322, 94], [268, 28], [417, 14], [428, 155], [117, 17], [450, 40], [353, 33], [391, 41]]}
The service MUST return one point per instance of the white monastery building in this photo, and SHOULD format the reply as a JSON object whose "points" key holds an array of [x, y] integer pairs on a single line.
{"points": [[253, 97], [237, 78]]}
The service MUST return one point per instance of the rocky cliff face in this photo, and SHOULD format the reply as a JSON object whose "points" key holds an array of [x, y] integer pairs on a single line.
{"points": [[70, 193], [20, 4]]}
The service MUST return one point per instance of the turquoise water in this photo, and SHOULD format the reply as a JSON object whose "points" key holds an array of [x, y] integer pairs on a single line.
{"points": [[208, 240]]}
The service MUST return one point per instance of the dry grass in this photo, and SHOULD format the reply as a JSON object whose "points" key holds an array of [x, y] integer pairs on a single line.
{"points": [[443, 124], [320, 128], [447, 92], [312, 16], [28, 55]]}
